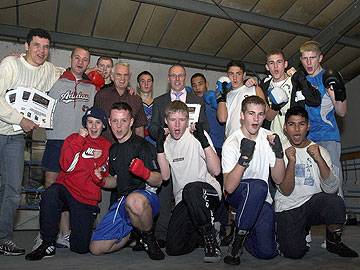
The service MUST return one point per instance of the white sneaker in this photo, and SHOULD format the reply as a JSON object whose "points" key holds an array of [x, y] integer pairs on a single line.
{"points": [[323, 244], [37, 242], [308, 239], [63, 241]]}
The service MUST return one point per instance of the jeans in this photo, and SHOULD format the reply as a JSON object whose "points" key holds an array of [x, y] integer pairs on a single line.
{"points": [[334, 149], [11, 175]]}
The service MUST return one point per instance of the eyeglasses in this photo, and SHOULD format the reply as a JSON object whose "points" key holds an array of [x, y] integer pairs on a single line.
{"points": [[177, 76]]}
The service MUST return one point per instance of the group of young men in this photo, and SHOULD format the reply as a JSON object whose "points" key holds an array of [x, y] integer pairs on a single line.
{"points": [[167, 191]]}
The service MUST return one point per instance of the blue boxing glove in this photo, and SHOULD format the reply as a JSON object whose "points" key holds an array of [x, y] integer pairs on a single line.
{"points": [[210, 99], [188, 89], [223, 87]]}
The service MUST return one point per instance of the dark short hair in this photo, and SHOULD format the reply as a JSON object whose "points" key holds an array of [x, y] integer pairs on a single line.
{"points": [[235, 63], [105, 58], [198, 75], [298, 111], [122, 106], [145, 72], [37, 32], [252, 100], [176, 106], [81, 48], [275, 51]]}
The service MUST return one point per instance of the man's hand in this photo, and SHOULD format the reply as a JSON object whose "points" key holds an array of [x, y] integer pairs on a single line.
{"points": [[291, 153], [247, 148], [251, 82], [314, 152], [97, 173], [97, 153], [291, 71], [275, 143], [200, 135], [137, 167], [83, 132], [27, 125], [131, 91]]}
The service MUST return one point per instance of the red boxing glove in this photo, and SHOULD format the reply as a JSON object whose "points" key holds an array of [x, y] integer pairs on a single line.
{"points": [[138, 168], [97, 79]]}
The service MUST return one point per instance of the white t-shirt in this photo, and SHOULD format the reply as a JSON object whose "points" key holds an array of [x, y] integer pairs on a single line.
{"points": [[307, 179], [188, 163], [262, 159], [277, 124], [233, 104]]}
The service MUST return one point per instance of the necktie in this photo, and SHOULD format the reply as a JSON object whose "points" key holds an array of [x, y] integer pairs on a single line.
{"points": [[177, 95]]}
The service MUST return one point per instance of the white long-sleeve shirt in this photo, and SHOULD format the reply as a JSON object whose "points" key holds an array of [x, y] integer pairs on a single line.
{"points": [[16, 72]]}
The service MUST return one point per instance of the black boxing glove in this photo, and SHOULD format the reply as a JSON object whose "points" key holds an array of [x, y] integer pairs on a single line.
{"points": [[247, 148], [277, 147], [200, 135], [333, 80], [160, 140]]}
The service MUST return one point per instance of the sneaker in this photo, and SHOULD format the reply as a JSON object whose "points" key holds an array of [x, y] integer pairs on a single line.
{"points": [[233, 257], [151, 246], [43, 251], [37, 242], [211, 246], [341, 249], [63, 241], [11, 249]]}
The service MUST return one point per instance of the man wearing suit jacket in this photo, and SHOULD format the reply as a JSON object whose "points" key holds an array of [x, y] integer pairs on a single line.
{"points": [[176, 77]]}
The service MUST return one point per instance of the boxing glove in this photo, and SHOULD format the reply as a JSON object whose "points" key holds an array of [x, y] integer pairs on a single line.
{"points": [[200, 135], [210, 99], [277, 147], [97, 79], [333, 80], [278, 98], [137, 168], [223, 86], [247, 148]]}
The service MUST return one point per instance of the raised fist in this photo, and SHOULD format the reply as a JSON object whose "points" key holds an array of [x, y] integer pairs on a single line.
{"points": [[137, 167], [200, 135], [314, 151], [247, 148], [291, 153], [275, 143], [223, 86]]}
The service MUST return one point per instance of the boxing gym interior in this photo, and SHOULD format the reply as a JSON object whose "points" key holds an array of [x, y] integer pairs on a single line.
{"points": [[201, 35]]}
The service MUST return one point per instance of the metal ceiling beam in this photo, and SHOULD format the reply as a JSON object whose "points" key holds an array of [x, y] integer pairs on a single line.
{"points": [[125, 47], [241, 16], [330, 35]]}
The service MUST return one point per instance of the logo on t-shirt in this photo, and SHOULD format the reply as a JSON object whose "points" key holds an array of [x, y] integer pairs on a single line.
{"points": [[178, 159], [71, 96], [89, 153]]}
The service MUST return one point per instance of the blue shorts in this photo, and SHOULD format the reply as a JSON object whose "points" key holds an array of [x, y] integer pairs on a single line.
{"points": [[51, 156], [116, 223]]}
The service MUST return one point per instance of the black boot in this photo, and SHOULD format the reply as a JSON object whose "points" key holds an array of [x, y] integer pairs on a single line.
{"points": [[228, 238], [335, 245], [211, 246], [151, 246], [235, 247]]}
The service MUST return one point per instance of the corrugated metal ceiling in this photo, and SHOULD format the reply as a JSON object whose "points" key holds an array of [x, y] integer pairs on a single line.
{"points": [[204, 34]]}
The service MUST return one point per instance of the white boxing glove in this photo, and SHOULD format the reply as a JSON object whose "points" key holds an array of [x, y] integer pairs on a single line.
{"points": [[278, 98]]}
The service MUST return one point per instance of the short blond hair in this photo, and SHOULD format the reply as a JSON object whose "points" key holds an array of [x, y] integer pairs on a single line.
{"points": [[176, 106], [310, 46], [120, 64]]}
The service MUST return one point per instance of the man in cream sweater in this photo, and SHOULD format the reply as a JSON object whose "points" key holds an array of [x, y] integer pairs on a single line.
{"points": [[30, 70]]}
